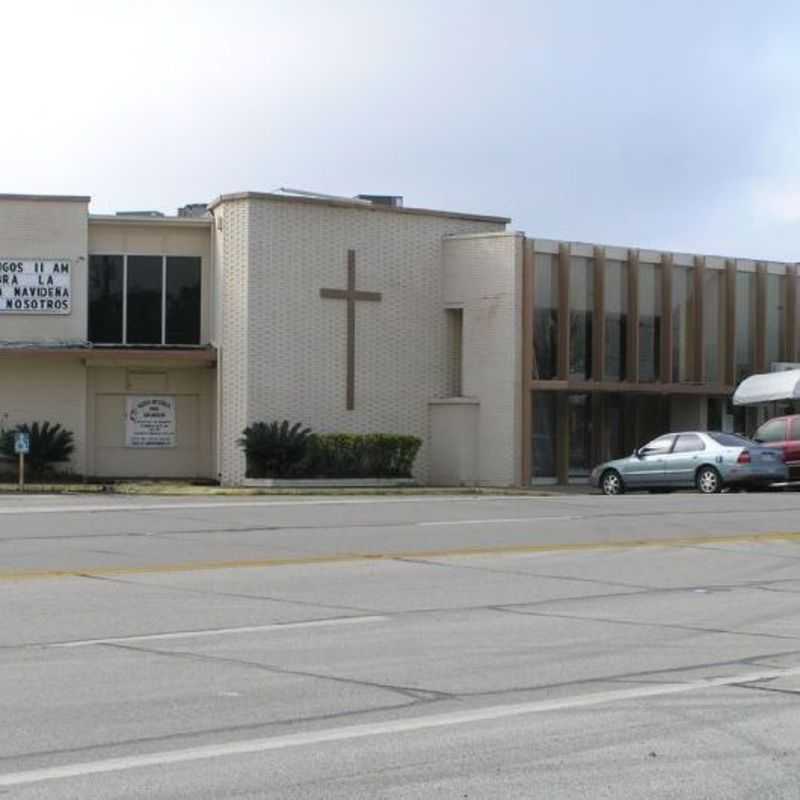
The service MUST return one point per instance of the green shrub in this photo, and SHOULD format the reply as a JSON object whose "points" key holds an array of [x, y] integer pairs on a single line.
{"points": [[50, 444], [274, 449], [349, 455]]}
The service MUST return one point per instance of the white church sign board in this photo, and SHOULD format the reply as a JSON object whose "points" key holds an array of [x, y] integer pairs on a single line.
{"points": [[35, 286], [150, 421]]}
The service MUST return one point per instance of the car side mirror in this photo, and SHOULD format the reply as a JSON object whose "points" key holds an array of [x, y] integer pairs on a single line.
{"points": [[637, 453]]}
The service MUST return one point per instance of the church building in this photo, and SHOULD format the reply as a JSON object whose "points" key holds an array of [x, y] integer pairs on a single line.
{"points": [[157, 339]]}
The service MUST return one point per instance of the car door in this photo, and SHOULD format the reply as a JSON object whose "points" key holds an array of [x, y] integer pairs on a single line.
{"points": [[792, 449], [682, 462], [647, 466]]}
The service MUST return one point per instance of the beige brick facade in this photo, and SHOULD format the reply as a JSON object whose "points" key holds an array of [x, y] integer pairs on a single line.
{"points": [[286, 351], [482, 276], [271, 346]]}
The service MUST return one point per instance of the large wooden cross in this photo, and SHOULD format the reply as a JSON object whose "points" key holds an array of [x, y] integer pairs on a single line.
{"points": [[351, 294]]}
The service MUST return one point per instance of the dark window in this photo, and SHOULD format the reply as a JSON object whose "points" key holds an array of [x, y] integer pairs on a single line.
{"points": [[580, 434], [772, 431], [105, 299], [545, 318], [581, 305], [689, 443], [544, 434], [795, 430], [650, 294], [183, 300], [730, 440], [616, 295], [145, 290]]}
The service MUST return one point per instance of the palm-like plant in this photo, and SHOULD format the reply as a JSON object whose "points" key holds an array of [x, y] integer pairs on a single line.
{"points": [[50, 444], [274, 448]]}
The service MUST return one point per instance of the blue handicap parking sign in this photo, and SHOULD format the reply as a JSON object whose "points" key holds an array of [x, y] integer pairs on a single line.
{"points": [[22, 443]]}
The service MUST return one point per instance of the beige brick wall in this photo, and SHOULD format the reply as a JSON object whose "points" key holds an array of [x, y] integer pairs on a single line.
{"points": [[232, 261], [47, 229], [290, 361], [483, 276]]}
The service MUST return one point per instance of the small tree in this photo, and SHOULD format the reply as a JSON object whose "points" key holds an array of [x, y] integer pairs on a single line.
{"points": [[50, 444], [274, 449]]}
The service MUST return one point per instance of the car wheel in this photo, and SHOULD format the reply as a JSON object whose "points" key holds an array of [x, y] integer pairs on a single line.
{"points": [[611, 482], [709, 481]]}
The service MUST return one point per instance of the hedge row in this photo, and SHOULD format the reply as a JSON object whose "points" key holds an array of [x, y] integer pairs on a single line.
{"points": [[372, 455], [276, 450]]}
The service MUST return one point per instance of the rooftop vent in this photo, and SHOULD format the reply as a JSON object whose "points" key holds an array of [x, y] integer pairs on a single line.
{"points": [[193, 210], [392, 200], [140, 214]]}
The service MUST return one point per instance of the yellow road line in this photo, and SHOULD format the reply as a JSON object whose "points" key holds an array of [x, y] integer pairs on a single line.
{"points": [[198, 566]]}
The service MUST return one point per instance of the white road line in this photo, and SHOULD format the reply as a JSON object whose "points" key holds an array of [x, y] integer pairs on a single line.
{"points": [[501, 521], [377, 729], [131, 507], [278, 626]]}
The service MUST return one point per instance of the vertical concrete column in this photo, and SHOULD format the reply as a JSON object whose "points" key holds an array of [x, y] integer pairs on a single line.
{"points": [[632, 369], [563, 311], [666, 318], [697, 364], [729, 345], [599, 316], [528, 305]]}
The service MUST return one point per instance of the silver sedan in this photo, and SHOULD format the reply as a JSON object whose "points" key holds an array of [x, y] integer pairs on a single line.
{"points": [[706, 460]]}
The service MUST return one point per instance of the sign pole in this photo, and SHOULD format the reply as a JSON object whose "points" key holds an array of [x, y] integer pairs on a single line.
{"points": [[22, 472]]}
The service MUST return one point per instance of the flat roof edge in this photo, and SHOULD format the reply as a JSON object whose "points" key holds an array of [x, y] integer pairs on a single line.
{"points": [[45, 198], [356, 204], [113, 219]]}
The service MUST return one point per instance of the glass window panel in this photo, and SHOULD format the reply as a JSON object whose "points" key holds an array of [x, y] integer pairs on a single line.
{"points": [[794, 431], [183, 300], [714, 306], [545, 319], [581, 304], [145, 289], [683, 328], [612, 444], [616, 307], [661, 445], [650, 304], [544, 435], [688, 443], [776, 320], [105, 299], [580, 435], [745, 324], [772, 431]]}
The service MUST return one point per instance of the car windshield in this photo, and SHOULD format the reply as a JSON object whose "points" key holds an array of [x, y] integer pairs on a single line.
{"points": [[731, 440]]}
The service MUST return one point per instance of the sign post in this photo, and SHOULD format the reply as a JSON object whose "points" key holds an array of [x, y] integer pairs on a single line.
{"points": [[22, 447]]}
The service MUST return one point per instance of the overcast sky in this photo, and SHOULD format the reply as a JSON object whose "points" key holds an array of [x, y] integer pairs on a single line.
{"points": [[671, 123]]}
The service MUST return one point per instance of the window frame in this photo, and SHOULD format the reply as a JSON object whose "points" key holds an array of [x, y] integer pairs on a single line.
{"points": [[164, 258]]}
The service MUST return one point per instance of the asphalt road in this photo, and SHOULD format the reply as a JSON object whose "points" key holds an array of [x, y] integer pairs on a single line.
{"points": [[497, 649]]}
